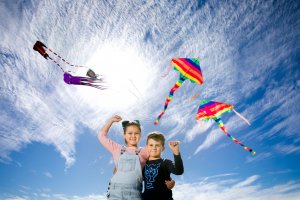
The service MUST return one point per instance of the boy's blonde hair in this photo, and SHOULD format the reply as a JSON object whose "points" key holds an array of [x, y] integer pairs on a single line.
{"points": [[157, 136]]}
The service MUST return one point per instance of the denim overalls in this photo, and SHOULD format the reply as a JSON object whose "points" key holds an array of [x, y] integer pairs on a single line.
{"points": [[126, 183]]}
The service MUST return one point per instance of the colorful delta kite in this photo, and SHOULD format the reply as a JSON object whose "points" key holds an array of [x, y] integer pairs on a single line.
{"points": [[189, 68], [90, 80], [213, 110]]}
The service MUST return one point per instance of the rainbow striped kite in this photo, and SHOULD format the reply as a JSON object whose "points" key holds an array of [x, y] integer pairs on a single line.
{"points": [[213, 110], [189, 68]]}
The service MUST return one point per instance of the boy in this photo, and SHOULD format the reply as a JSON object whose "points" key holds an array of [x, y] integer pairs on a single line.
{"points": [[157, 170]]}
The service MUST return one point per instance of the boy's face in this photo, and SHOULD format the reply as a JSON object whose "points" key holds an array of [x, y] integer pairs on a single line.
{"points": [[154, 148], [132, 136]]}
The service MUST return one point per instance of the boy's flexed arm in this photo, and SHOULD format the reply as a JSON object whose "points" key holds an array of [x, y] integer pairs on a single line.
{"points": [[177, 168], [174, 146]]}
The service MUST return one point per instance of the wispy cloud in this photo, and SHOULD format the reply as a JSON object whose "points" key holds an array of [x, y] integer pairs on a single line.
{"points": [[247, 182], [280, 172], [209, 141], [48, 174], [287, 148], [259, 156], [198, 129], [39, 107]]}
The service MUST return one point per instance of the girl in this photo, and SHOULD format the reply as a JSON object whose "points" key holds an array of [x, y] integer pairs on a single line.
{"points": [[129, 160]]}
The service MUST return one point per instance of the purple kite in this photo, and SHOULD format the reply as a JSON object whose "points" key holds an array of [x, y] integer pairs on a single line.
{"points": [[90, 80]]}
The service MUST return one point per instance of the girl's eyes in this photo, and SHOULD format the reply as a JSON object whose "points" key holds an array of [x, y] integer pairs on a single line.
{"points": [[133, 133]]}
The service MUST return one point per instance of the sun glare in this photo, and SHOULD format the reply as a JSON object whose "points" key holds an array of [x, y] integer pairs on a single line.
{"points": [[125, 73]]}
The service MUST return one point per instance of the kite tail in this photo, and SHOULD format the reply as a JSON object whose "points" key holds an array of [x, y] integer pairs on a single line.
{"points": [[175, 87], [221, 125], [96, 83], [241, 116]]}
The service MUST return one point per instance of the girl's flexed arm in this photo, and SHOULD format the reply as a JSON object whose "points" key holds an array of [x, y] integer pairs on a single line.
{"points": [[109, 144], [106, 127]]}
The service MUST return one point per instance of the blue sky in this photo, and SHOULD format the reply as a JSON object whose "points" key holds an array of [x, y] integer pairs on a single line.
{"points": [[249, 56]]}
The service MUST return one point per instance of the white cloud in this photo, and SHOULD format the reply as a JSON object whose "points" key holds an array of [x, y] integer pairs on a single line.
{"points": [[210, 188], [246, 190], [48, 174], [56, 197], [16, 198]]}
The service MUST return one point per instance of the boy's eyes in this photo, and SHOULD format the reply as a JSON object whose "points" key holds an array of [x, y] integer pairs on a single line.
{"points": [[152, 145]]}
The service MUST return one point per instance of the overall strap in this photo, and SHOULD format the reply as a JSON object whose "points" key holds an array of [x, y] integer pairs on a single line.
{"points": [[137, 151], [123, 149]]}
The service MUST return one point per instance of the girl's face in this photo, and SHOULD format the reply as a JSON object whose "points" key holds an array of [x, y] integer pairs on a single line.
{"points": [[132, 136]]}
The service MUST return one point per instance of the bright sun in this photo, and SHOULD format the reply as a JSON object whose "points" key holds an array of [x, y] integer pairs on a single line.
{"points": [[125, 73]]}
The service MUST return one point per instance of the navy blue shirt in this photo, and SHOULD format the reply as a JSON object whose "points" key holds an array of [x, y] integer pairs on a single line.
{"points": [[155, 173]]}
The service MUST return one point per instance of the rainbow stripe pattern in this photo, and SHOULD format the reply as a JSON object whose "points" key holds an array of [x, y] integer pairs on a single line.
{"points": [[213, 110], [189, 68]]}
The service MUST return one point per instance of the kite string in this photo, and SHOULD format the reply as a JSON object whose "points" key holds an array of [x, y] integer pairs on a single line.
{"points": [[241, 116], [168, 70], [56, 63], [61, 58], [135, 89]]}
